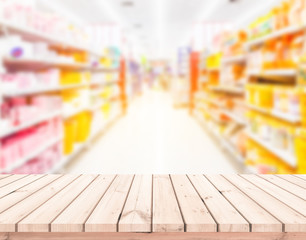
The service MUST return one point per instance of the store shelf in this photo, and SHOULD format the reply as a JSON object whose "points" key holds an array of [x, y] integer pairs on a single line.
{"points": [[66, 159], [284, 155], [103, 82], [34, 35], [76, 111], [32, 91], [222, 141], [41, 63], [34, 154], [283, 116], [231, 149], [228, 89], [38, 120], [274, 72], [234, 59], [235, 118], [276, 34]]}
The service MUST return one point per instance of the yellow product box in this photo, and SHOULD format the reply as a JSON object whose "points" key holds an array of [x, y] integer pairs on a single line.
{"points": [[250, 93], [83, 125], [70, 129], [264, 96], [300, 149], [69, 77]]}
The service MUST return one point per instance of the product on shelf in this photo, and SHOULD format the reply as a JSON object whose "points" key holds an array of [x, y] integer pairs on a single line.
{"points": [[264, 161], [20, 110], [19, 146]]}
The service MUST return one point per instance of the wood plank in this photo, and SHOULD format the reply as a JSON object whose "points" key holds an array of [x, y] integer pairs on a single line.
{"points": [[18, 195], [11, 187], [10, 179], [166, 213], [12, 216], [72, 219], [196, 216], [39, 220], [137, 212], [303, 176], [226, 216], [2, 176], [286, 185], [153, 236], [293, 179], [293, 221], [289, 199], [259, 218], [107, 213]]}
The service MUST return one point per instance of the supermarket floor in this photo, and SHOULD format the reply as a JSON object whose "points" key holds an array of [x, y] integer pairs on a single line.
{"points": [[154, 138]]}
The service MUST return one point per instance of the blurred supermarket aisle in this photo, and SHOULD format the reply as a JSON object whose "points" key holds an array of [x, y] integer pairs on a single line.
{"points": [[153, 138]]}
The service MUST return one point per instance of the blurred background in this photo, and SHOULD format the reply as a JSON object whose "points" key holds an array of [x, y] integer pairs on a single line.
{"points": [[152, 86]]}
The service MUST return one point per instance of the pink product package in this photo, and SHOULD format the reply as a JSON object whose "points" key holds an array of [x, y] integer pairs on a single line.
{"points": [[42, 163], [27, 142]]}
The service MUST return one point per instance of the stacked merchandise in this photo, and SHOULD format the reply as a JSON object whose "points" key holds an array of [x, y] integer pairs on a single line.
{"points": [[57, 94], [220, 100], [269, 69]]}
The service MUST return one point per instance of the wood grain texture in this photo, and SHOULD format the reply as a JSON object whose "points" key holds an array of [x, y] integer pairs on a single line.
{"points": [[226, 216], [259, 218], [196, 216], [107, 213], [137, 213], [286, 197], [166, 213], [292, 220], [73, 218], [191, 207], [288, 186], [19, 194], [153, 236], [302, 176], [39, 219], [15, 185], [10, 179], [13, 215], [293, 179]]}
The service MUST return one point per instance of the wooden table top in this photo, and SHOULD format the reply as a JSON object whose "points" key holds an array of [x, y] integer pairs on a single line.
{"points": [[158, 203]]}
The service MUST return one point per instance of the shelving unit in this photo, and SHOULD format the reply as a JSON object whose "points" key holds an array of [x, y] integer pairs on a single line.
{"points": [[35, 64], [239, 58], [32, 155], [34, 35], [286, 31], [284, 155], [21, 127], [273, 99]]}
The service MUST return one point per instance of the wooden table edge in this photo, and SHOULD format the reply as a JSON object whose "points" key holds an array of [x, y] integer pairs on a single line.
{"points": [[152, 236]]}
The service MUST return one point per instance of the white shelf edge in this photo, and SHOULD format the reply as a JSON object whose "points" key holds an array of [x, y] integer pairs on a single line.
{"points": [[32, 155], [284, 155], [283, 116], [273, 72], [40, 35], [30, 124], [223, 142], [275, 34], [75, 112], [42, 90], [233, 59], [235, 118]]}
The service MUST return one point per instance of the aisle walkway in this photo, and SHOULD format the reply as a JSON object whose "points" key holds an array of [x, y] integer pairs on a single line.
{"points": [[153, 138]]}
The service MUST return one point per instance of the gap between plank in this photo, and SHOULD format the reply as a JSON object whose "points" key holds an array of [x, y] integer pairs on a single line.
{"points": [[217, 227]]}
